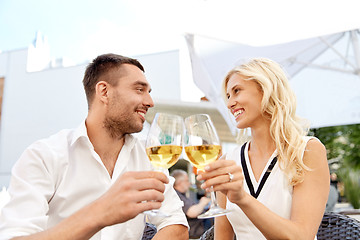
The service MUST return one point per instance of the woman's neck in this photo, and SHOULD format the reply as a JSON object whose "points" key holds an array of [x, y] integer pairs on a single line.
{"points": [[262, 143], [260, 150]]}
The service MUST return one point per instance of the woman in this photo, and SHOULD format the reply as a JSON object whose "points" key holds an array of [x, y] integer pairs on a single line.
{"points": [[277, 184]]}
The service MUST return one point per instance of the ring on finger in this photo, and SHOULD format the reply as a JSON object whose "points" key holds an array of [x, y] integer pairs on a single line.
{"points": [[231, 177]]}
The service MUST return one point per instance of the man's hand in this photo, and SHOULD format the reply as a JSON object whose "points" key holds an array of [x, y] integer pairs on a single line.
{"points": [[131, 194]]}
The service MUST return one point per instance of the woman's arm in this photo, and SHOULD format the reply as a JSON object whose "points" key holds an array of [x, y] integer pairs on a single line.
{"points": [[308, 204], [310, 196], [223, 229]]}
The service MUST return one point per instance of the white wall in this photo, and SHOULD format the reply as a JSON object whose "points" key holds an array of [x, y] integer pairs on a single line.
{"points": [[38, 104], [162, 71], [3, 63]]}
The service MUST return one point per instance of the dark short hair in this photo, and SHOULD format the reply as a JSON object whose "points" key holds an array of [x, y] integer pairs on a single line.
{"points": [[100, 66]]}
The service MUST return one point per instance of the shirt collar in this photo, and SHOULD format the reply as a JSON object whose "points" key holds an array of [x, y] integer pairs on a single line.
{"points": [[81, 132]]}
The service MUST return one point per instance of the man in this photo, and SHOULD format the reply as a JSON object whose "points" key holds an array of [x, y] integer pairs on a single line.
{"points": [[95, 181], [190, 208]]}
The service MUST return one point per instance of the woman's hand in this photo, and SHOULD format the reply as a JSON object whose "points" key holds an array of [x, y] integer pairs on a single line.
{"points": [[225, 176]]}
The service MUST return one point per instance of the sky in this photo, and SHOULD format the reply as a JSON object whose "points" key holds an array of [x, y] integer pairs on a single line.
{"points": [[82, 29]]}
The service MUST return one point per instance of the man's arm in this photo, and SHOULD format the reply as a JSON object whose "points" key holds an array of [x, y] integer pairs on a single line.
{"points": [[177, 232], [81, 225], [196, 209], [133, 193]]}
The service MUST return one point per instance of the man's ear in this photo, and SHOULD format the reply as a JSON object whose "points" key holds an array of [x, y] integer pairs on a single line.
{"points": [[101, 91]]}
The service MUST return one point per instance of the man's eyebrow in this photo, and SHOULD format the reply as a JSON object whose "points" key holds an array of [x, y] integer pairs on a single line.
{"points": [[144, 84]]}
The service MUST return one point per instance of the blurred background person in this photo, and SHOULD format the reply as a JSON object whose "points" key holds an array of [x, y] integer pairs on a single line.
{"points": [[334, 181], [190, 208]]}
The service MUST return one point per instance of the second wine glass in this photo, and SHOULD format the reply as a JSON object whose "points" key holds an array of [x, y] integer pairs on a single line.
{"points": [[202, 146], [164, 144]]}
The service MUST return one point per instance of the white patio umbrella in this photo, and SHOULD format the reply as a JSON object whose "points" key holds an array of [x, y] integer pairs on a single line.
{"points": [[324, 73]]}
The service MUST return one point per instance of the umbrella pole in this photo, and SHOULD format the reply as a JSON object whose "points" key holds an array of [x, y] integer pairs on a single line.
{"points": [[355, 41]]}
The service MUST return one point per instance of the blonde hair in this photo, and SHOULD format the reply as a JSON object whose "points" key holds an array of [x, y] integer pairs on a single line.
{"points": [[279, 104]]}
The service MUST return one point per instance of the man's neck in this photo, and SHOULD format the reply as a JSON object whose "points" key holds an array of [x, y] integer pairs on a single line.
{"points": [[107, 147]]}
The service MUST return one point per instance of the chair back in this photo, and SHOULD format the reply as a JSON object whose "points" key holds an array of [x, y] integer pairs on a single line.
{"points": [[333, 226], [338, 226], [149, 231], [208, 234]]}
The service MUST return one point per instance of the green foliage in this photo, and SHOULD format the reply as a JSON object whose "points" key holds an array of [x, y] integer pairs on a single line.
{"points": [[351, 179], [343, 143]]}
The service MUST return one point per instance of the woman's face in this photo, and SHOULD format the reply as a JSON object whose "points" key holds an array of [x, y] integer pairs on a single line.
{"points": [[244, 101]]}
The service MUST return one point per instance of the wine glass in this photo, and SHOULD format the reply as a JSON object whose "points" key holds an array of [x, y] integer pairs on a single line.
{"points": [[164, 145], [202, 146]]}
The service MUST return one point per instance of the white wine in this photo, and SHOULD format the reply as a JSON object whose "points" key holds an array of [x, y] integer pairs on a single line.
{"points": [[163, 156], [203, 154]]}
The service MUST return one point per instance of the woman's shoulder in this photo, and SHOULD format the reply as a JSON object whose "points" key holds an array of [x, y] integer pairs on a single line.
{"points": [[313, 143], [314, 149]]}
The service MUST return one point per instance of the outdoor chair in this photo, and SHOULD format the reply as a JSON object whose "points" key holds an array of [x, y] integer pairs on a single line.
{"points": [[338, 226], [333, 226], [149, 232]]}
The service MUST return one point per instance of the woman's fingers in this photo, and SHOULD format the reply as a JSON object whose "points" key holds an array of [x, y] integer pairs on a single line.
{"points": [[222, 180], [216, 172], [219, 164], [215, 168], [220, 168], [224, 176], [221, 175]]}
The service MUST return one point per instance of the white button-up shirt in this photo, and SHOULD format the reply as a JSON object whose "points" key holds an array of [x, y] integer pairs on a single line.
{"points": [[59, 175]]}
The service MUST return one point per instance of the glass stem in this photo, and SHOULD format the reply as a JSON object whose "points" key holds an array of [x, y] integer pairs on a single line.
{"points": [[213, 198]]}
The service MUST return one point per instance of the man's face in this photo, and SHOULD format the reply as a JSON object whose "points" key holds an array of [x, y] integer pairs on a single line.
{"points": [[128, 101], [184, 184]]}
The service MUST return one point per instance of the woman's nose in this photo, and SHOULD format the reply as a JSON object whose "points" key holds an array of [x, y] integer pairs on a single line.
{"points": [[231, 103]]}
